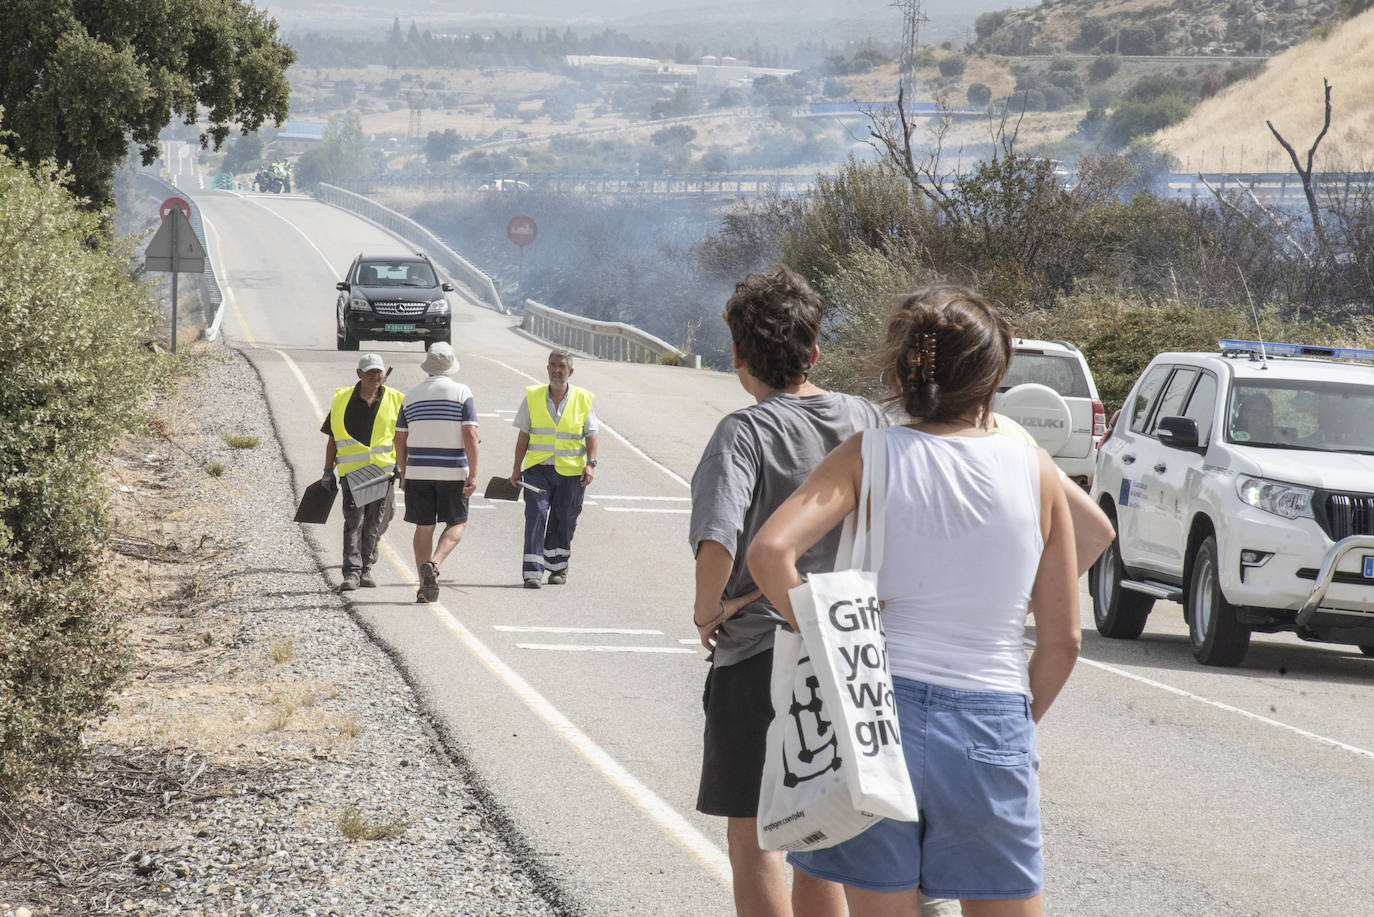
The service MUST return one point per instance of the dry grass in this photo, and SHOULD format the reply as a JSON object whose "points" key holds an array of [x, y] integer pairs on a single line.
{"points": [[239, 440], [280, 651], [356, 826], [1289, 93]]}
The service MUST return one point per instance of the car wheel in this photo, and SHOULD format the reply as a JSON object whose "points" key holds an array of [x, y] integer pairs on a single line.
{"points": [[1118, 613], [343, 340], [1215, 634]]}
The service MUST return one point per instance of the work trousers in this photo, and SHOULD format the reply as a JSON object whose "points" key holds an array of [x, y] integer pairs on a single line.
{"points": [[364, 527], [550, 519]]}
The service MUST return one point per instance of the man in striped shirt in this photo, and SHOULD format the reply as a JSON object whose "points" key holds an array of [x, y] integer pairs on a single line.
{"points": [[436, 452]]}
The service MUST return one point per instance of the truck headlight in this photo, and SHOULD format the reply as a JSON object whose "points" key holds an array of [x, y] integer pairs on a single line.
{"points": [[1287, 500], [359, 305]]}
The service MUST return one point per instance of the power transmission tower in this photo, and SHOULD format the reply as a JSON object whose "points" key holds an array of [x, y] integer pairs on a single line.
{"points": [[913, 17], [415, 95]]}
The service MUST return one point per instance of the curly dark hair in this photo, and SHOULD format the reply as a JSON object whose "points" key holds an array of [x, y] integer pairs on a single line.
{"points": [[774, 320], [946, 352]]}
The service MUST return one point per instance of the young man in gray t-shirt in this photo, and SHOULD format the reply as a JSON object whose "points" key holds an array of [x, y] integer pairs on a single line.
{"points": [[756, 458]]}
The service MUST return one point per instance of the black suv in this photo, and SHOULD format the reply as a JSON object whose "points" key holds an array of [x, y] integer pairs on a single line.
{"points": [[393, 298]]}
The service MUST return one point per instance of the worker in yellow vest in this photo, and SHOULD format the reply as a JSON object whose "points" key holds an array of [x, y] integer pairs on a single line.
{"points": [[361, 427], [555, 460]]}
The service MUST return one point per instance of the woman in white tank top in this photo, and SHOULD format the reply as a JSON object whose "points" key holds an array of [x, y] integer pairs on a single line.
{"points": [[977, 534]]}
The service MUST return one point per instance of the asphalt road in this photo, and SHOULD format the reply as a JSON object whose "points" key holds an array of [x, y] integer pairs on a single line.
{"points": [[1169, 789]]}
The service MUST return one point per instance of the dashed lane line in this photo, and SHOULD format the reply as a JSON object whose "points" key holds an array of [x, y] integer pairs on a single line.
{"points": [[599, 648], [545, 629]]}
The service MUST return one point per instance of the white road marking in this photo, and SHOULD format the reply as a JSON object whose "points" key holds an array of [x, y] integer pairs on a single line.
{"points": [[631, 497], [604, 426], [303, 234], [647, 509], [532, 629], [1320, 739], [593, 648]]}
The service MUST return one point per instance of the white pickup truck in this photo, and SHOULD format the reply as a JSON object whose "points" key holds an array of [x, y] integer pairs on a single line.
{"points": [[1242, 484]]}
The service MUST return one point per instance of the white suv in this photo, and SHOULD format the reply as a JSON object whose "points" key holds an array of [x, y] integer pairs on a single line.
{"points": [[1242, 484], [1049, 390]]}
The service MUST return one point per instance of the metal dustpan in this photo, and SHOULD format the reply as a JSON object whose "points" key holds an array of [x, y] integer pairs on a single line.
{"points": [[499, 488], [367, 484], [316, 504]]}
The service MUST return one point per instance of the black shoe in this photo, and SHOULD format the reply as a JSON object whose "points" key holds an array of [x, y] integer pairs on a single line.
{"points": [[429, 583]]}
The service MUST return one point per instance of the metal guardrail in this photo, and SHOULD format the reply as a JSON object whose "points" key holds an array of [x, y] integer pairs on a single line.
{"points": [[1271, 187], [606, 340], [480, 284], [211, 297], [700, 185]]}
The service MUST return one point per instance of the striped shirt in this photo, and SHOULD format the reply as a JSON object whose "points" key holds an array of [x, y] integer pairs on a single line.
{"points": [[433, 416]]}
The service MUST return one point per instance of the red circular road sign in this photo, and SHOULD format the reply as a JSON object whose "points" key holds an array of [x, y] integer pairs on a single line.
{"points": [[179, 202], [521, 230]]}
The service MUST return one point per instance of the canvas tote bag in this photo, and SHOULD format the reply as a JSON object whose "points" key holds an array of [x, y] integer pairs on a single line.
{"points": [[833, 763]]}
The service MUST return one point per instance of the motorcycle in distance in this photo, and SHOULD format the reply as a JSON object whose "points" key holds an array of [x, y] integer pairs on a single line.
{"points": [[267, 180]]}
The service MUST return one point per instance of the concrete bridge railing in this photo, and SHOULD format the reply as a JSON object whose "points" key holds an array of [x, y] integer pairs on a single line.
{"points": [[606, 340]]}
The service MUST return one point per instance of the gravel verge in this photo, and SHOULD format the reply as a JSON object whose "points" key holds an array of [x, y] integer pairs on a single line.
{"points": [[263, 737]]}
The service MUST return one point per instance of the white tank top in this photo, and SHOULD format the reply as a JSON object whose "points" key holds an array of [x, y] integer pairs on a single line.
{"points": [[963, 545]]}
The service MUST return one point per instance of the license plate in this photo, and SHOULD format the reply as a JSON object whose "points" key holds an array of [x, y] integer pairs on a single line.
{"points": [[400, 329], [1369, 566]]}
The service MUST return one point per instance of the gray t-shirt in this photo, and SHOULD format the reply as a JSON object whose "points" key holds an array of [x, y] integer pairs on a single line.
{"points": [[756, 458]]}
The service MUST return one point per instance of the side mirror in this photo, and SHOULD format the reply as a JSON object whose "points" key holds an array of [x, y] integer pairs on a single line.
{"points": [[342, 286], [446, 287], [1179, 432]]}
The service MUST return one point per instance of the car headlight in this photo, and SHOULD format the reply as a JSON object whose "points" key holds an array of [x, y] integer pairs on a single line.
{"points": [[438, 305], [1287, 500], [359, 305]]}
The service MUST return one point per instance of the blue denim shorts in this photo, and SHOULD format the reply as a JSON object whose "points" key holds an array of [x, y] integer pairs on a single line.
{"points": [[972, 760]]}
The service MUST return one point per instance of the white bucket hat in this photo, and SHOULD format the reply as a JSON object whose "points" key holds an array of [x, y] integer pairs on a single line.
{"points": [[440, 360]]}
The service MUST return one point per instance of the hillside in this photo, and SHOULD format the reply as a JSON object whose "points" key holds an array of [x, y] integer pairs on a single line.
{"points": [[1152, 27], [1227, 131]]}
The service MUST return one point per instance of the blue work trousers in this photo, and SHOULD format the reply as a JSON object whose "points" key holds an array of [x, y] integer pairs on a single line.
{"points": [[550, 519]]}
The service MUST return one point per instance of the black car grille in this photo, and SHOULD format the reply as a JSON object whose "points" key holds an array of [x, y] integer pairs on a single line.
{"points": [[400, 308], [1342, 515]]}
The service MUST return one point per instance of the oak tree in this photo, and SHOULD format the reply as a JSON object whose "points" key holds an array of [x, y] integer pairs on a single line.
{"points": [[80, 80]]}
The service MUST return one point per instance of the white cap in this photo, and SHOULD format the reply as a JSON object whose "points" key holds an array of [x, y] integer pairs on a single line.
{"points": [[370, 361]]}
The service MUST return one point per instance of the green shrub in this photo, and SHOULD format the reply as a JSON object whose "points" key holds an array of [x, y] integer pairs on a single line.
{"points": [[953, 65], [75, 330], [979, 95], [1103, 67]]}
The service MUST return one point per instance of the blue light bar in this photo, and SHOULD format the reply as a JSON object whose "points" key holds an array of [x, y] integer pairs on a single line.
{"points": [[1295, 350]]}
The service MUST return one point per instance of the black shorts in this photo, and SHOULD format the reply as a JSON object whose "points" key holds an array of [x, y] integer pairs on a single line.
{"points": [[739, 707], [431, 502]]}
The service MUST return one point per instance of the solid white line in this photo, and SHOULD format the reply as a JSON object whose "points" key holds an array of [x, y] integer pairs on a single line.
{"points": [[530, 629], [1320, 739], [308, 241], [628, 497], [213, 331], [592, 648], [604, 426], [647, 509]]}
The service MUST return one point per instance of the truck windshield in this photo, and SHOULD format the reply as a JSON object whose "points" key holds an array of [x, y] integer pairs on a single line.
{"points": [[1298, 414]]}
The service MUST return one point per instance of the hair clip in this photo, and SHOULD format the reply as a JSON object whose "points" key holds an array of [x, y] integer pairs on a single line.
{"points": [[923, 367]]}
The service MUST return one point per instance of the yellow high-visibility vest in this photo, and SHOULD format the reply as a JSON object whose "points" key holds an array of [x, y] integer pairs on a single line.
{"points": [[564, 440], [349, 454]]}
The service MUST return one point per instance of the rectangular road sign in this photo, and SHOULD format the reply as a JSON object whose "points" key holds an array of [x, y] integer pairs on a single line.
{"points": [[175, 246]]}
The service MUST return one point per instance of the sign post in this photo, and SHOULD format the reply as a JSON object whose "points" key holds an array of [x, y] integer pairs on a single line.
{"points": [[522, 231], [175, 248]]}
